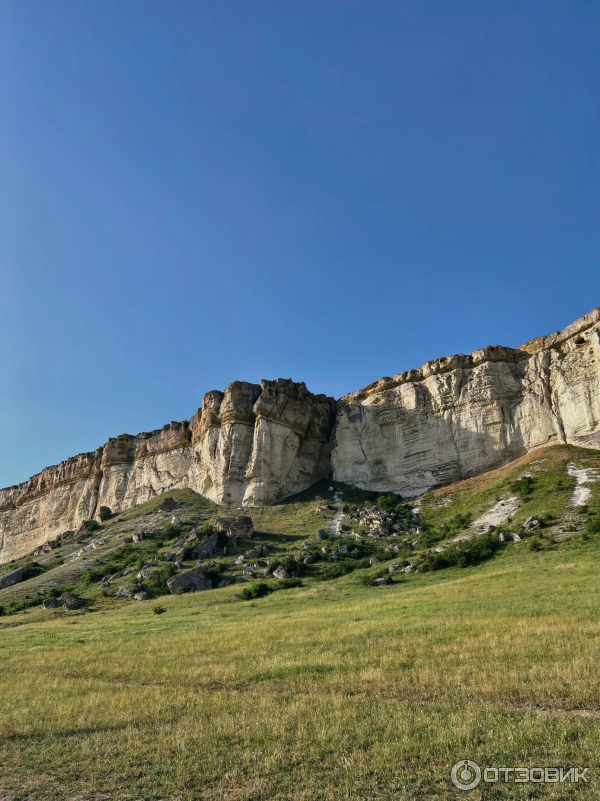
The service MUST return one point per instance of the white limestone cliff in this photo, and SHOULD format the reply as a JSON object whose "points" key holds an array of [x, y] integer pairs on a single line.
{"points": [[459, 416], [256, 443]]}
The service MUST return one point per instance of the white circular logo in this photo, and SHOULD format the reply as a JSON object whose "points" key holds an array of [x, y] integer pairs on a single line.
{"points": [[466, 774]]}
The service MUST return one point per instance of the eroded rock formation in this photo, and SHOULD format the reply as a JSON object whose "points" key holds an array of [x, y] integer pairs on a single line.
{"points": [[461, 415], [256, 443], [249, 445], [259, 442]]}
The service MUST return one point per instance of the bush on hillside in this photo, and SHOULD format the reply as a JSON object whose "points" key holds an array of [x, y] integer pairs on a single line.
{"points": [[258, 590], [464, 554], [523, 487], [169, 531]]}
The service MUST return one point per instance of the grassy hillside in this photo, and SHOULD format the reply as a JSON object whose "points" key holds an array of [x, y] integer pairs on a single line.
{"points": [[335, 689]]}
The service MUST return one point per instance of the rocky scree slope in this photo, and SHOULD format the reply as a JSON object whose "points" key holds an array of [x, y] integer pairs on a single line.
{"points": [[254, 444]]}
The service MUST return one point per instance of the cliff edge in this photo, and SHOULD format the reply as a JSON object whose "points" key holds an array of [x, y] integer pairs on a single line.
{"points": [[254, 444]]}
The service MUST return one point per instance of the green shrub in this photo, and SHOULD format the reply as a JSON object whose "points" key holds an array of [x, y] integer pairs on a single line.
{"points": [[119, 560], [259, 590], [388, 503], [287, 584], [159, 610], [170, 531], [205, 530], [392, 505], [432, 537], [369, 580], [593, 526], [104, 513], [535, 544], [157, 585], [340, 568], [523, 487], [464, 554], [290, 564]]}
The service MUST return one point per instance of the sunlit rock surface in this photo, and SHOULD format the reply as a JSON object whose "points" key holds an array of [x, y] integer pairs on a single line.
{"points": [[254, 444], [461, 415]]}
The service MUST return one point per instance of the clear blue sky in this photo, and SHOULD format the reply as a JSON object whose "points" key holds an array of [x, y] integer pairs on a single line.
{"points": [[199, 192]]}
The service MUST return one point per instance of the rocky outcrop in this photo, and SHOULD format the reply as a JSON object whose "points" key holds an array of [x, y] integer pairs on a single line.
{"points": [[461, 415], [249, 445], [126, 471], [254, 444], [193, 580]]}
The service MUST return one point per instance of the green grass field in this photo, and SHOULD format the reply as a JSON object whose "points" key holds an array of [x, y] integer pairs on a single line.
{"points": [[334, 690]]}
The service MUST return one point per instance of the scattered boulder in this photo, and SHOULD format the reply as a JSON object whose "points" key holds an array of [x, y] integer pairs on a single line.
{"points": [[208, 547], [140, 596], [280, 573], [373, 560], [308, 560], [240, 560], [124, 591], [183, 554], [13, 577], [69, 601], [532, 524], [176, 521], [167, 504], [242, 528], [190, 581], [138, 537], [145, 573], [247, 571], [322, 534], [381, 582], [49, 603]]}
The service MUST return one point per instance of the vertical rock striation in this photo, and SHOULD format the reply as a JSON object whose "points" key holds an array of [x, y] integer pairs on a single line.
{"points": [[256, 443], [461, 415], [250, 445]]}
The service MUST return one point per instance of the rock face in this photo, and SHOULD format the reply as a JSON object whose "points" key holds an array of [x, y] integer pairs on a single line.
{"points": [[462, 415], [13, 577], [254, 444], [251, 445], [193, 580], [257, 443]]}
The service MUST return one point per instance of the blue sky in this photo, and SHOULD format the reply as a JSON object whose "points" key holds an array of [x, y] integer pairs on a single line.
{"points": [[195, 193]]}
